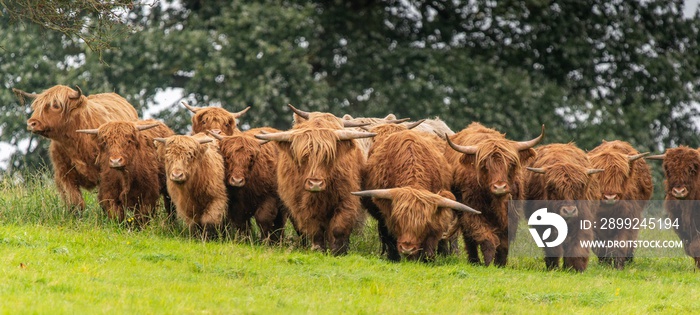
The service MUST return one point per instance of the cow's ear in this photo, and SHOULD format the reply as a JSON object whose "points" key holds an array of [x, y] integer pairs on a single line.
{"points": [[526, 155]]}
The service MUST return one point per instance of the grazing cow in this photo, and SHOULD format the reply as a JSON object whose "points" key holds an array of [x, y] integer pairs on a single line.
{"points": [[131, 176], [214, 119], [407, 181], [251, 178], [681, 168], [487, 175], [318, 168], [561, 175], [57, 113], [195, 172], [625, 188]]}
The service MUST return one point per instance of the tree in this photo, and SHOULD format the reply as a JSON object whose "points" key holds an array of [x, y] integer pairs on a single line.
{"points": [[587, 70]]}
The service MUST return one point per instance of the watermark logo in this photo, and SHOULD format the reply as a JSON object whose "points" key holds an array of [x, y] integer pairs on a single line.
{"points": [[543, 218]]}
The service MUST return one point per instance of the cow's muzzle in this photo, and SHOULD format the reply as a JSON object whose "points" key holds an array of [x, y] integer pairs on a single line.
{"points": [[679, 192], [568, 211], [177, 176], [236, 181], [610, 199], [500, 188], [117, 162], [315, 185]]}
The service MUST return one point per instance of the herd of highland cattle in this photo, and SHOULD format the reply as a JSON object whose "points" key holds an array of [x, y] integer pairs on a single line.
{"points": [[423, 183]]}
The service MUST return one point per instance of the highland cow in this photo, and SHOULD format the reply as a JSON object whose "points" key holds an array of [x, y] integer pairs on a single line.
{"points": [[131, 176], [57, 113], [318, 168], [681, 168], [625, 188], [487, 175], [407, 181], [195, 181], [214, 119], [251, 178], [562, 175]]}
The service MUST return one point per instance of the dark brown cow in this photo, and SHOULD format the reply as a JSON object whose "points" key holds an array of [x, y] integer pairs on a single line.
{"points": [[487, 175], [195, 172], [562, 175], [251, 178], [409, 180], [318, 168], [625, 188], [681, 168], [57, 113], [214, 119], [131, 176]]}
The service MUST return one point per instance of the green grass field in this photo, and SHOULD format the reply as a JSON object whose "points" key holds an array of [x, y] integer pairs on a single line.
{"points": [[53, 262]]}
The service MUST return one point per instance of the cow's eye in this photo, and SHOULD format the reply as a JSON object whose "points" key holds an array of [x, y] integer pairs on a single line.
{"points": [[55, 106]]}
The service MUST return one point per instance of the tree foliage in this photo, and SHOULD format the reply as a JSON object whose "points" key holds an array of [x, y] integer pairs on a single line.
{"points": [[588, 70]]}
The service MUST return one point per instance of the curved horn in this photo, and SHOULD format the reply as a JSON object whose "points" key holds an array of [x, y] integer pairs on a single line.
{"points": [[348, 124], [23, 93], [375, 193], [594, 171], [80, 93], [203, 141], [146, 127], [659, 157], [301, 113], [276, 136], [636, 156], [87, 131], [448, 203], [466, 149], [395, 121], [161, 140], [536, 170], [351, 134], [414, 124], [215, 135], [524, 145], [192, 109], [239, 114], [261, 142]]}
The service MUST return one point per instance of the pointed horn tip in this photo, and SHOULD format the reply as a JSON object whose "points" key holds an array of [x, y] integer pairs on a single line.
{"points": [[87, 131], [658, 157], [535, 170], [161, 140], [146, 127]]}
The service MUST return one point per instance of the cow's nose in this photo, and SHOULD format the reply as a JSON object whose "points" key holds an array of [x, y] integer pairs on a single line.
{"points": [[116, 162], [215, 131], [569, 211], [610, 198], [499, 188], [236, 181], [315, 185], [407, 249], [32, 124], [177, 176], [680, 192]]}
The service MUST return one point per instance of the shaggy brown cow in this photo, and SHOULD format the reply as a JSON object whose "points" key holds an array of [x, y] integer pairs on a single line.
{"points": [[317, 170], [409, 179], [57, 113], [625, 188], [561, 174], [251, 178], [195, 172], [681, 168], [214, 119], [487, 175], [131, 176]]}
